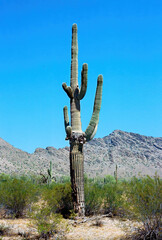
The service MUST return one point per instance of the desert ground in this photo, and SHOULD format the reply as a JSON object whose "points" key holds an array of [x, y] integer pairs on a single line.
{"points": [[94, 228]]}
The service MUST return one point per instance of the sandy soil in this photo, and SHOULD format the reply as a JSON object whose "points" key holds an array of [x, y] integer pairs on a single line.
{"points": [[110, 229]]}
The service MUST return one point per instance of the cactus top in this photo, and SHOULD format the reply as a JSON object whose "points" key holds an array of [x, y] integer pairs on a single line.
{"points": [[75, 94]]}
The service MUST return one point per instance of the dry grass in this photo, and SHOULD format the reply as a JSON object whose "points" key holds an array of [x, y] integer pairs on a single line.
{"points": [[110, 229]]}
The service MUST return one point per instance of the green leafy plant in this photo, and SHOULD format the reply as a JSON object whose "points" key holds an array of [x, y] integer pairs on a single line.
{"points": [[109, 179], [93, 198], [58, 198], [113, 198], [16, 195], [48, 223], [145, 195]]}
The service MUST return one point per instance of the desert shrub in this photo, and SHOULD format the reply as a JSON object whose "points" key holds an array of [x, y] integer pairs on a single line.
{"points": [[109, 179], [98, 223], [35, 179], [144, 196], [3, 177], [93, 198], [3, 229], [58, 198], [113, 198], [64, 179], [16, 195], [48, 223]]}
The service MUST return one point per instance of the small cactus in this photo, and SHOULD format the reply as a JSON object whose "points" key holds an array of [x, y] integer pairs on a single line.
{"points": [[49, 171], [116, 174], [48, 178]]}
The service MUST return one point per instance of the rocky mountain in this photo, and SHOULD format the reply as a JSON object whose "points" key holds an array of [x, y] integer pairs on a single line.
{"points": [[133, 154]]}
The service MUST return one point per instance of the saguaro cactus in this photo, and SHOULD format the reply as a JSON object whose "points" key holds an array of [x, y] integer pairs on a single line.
{"points": [[74, 133]]}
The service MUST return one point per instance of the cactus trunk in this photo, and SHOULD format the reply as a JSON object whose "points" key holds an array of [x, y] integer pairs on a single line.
{"points": [[77, 177], [74, 133]]}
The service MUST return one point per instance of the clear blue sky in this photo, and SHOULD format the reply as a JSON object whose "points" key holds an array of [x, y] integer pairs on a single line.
{"points": [[120, 39]]}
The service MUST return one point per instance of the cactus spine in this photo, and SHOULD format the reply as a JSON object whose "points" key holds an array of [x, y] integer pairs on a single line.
{"points": [[74, 133]]}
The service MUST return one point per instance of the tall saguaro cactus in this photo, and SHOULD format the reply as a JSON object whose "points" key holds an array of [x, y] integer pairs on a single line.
{"points": [[74, 133]]}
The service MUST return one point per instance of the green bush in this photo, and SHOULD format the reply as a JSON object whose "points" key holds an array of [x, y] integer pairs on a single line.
{"points": [[109, 179], [3, 178], [145, 196], [58, 198], [93, 198], [16, 194], [48, 223], [64, 179], [113, 198]]}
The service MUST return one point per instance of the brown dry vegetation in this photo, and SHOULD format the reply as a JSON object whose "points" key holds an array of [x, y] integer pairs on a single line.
{"points": [[112, 229]]}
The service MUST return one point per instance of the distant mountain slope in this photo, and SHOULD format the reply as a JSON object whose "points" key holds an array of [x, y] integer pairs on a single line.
{"points": [[133, 154]]}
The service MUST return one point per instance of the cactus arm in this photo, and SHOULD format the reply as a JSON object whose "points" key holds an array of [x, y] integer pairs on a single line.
{"points": [[66, 123], [68, 90], [84, 74], [66, 117], [68, 132], [49, 174], [83, 88], [92, 127]]}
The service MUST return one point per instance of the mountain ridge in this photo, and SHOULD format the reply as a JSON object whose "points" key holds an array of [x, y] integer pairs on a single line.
{"points": [[131, 152]]}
